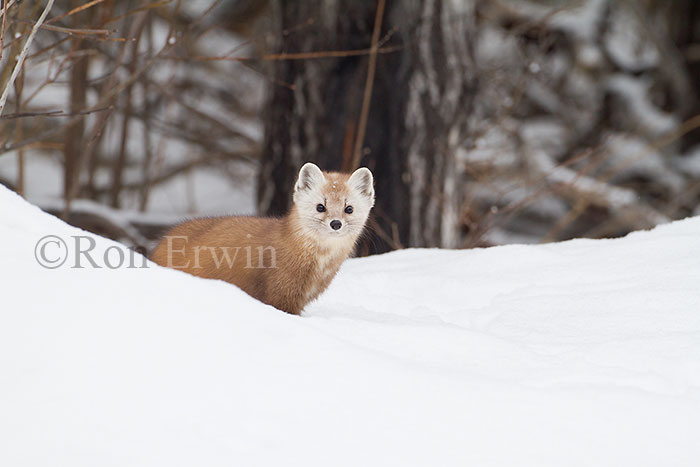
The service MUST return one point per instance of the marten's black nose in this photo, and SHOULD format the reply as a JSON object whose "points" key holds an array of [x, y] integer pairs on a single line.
{"points": [[336, 224]]}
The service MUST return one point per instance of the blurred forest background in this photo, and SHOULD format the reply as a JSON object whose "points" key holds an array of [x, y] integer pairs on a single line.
{"points": [[485, 122]]}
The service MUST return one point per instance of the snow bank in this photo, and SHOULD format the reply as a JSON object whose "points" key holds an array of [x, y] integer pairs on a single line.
{"points": [[578, 353]]}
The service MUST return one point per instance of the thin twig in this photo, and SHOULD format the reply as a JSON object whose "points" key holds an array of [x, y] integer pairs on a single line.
{"points": [[369, 83], [74, 11], [19, 130], [137, 10], [320, 54], [74, 31], [50, 113], [7, 7], [23, 55], [291, 56]]}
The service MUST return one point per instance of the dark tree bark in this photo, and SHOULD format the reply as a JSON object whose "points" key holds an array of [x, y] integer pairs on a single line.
{"points": [[684, 26], [78, 97], [420, 103]]}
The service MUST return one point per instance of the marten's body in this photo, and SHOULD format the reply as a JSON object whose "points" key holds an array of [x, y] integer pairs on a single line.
{"points": [[285, 262]]}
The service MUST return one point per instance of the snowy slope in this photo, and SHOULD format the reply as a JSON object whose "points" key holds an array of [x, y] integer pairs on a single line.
{"points": [[572, 354]]}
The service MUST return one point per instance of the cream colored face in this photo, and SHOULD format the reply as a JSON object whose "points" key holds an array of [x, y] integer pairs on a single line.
{"points": [[334, 204]]}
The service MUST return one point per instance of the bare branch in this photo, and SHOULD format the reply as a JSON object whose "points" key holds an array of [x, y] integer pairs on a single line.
{"points": [[8, 5], [74, 11], [367, 95], [23, 55], [51, 113]]}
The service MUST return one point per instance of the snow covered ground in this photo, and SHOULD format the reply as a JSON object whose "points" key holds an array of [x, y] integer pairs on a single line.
{"points": [[573, 354]]}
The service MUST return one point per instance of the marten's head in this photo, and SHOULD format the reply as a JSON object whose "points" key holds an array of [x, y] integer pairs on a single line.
{"points": [[332, 204]]}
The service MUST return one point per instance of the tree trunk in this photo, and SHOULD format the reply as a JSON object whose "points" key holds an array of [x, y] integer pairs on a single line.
{"points": [[78, 97], [684, 27], [421, 99]]}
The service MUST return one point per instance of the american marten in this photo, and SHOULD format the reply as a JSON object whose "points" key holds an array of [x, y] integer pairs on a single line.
{"points": [[284, 262]]}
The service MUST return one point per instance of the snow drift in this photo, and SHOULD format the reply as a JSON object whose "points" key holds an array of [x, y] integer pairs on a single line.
{"points": [[579, 353]]}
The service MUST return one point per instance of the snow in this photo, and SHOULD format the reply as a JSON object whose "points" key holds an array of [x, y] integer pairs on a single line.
{"points": [[628, 44], [582, 20], [630, 156], [690, 162], [634, 92], [585, 352]]}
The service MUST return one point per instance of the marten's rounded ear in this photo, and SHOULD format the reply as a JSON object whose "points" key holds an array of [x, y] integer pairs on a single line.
{"points": [[310, 176], [362, 181]]}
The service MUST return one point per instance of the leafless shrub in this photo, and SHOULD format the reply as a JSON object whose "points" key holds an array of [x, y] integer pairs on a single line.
{"points": [[579, 119]]}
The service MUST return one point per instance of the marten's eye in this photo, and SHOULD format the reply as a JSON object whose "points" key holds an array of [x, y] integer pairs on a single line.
{"points": [[348, 210], [320, 208]]}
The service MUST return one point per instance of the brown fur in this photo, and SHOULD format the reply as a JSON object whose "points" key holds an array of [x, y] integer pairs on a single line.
{"points": [[305, 264]]}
